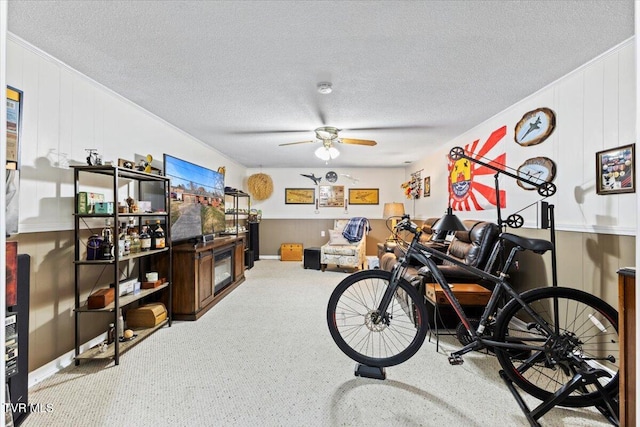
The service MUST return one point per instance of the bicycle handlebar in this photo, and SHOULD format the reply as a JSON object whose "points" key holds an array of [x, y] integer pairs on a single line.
{"points": [[406, 224]]}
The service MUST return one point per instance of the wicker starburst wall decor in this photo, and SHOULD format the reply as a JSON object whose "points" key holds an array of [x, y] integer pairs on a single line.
{"points": [[260, 186]]}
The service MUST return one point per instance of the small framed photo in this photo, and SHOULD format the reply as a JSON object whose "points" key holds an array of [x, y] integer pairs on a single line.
{"points": [[364, 196], [616, 170], [427, 187], [299, 196], [331, 196]]}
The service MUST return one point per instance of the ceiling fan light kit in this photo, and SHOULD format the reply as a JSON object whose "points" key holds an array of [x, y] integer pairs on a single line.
{"points": [[327, 153]]}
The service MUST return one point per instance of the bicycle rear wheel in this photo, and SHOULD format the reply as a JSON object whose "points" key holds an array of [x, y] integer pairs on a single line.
{"points": [[586, 336], [369, 337]]}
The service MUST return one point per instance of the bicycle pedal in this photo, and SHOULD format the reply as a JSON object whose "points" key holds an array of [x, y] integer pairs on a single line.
{"points": [[455, 360]]}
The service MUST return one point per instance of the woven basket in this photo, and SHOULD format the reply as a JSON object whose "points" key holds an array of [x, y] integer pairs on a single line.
{"points": [[260, 186]]}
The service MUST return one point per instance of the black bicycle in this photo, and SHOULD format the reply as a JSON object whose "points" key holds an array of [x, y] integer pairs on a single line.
{"points": [[547, 340]]}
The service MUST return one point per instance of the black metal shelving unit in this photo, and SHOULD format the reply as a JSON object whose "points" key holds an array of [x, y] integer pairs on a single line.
{"points": [[157, 187]]}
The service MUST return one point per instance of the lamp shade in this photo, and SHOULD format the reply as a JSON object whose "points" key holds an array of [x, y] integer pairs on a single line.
{"points": [[393, 209], [327, 153], [449, 222]]}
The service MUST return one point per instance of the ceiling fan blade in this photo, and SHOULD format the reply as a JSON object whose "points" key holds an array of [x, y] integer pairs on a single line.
{"points": [[399, 127], [262, 132], [294, 143], [358, 141]]}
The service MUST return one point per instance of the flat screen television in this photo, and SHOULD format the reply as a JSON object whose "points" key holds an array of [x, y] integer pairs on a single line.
{"points": [[197, 199]]}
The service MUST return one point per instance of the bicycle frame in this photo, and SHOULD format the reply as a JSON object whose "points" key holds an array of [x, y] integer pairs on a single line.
{"points": [[423, 254]]}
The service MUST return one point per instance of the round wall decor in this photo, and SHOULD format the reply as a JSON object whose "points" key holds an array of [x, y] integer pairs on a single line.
{"points": [[331, 176], [260, 186], [538, 170], [535, 126]]}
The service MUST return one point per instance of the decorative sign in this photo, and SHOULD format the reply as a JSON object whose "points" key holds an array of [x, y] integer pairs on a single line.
{"points": [[535, 126]]}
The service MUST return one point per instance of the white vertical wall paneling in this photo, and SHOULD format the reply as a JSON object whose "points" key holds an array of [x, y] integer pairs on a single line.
{"points": [[611, 101], [570, 128], [593, 129], [589, 104], [627, 124], [65, 112], [627, 101]]}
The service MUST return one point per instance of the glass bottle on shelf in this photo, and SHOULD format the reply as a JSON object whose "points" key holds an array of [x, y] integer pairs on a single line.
{"points": [[111, 333], [124, 242], [106, 248], [157, 237], [135, 243], [145, 239], [120, 330], [131, 226]]}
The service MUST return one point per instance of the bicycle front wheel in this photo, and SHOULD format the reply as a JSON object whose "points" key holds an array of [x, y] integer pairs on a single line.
{"points": [[368, 336], [585, 337]]}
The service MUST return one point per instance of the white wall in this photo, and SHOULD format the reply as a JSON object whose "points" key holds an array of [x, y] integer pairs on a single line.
{"points": [[65, 113], [387, 180], [595, 109]]}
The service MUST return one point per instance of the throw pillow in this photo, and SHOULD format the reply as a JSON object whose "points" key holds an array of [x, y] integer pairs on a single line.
{"points": [[337, 239]]}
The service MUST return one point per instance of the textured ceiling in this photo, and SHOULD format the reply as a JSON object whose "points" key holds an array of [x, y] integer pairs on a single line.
{"points": [[241, 76]]}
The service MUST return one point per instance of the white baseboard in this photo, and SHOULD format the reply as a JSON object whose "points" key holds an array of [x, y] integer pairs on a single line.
{"points": [[269, 256], [61, 362]]}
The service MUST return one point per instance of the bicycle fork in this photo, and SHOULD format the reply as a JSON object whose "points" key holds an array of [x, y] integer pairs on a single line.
{"points": [[381, 314]]}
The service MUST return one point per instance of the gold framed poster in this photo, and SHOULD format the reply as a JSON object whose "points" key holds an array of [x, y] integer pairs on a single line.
{"points": [[299, 196], [364, 196], [331, 196]]}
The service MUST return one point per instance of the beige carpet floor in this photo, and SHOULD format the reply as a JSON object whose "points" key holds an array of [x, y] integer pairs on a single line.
{"points": [[263, 356]]}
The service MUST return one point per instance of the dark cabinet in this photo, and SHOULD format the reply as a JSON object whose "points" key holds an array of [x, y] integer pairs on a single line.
{"points": [[204, 273], [254, 239], [238, 263], [627, 334], [204, 270]]}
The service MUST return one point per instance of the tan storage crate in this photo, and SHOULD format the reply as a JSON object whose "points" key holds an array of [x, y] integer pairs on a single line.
{"points": [[291, 252], [146, 316]]}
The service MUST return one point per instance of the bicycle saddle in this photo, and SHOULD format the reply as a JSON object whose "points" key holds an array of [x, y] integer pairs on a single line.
{"points": [[538, 246]]}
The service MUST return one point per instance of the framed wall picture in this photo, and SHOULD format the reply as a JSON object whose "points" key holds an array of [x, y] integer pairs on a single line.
{"points": [[299, 196], [616, 170], [427, 187], [364, 196], [14, 123], [331, 196]]}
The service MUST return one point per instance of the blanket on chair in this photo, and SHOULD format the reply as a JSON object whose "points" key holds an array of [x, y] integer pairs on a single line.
{"points": [[355, 229]]}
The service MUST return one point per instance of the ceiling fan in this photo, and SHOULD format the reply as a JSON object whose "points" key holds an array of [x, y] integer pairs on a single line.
{"points": [[329, 134]]}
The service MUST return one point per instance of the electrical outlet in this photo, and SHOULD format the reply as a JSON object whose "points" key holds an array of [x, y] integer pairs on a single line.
{"points": [[322, 233]]}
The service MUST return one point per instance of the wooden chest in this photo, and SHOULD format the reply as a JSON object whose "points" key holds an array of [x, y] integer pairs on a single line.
{"points": [[291, 252], [101, 298], [466, 293]]}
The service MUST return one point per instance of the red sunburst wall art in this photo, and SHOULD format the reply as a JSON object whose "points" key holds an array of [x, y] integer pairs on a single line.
{"points": [[472, 185]]}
